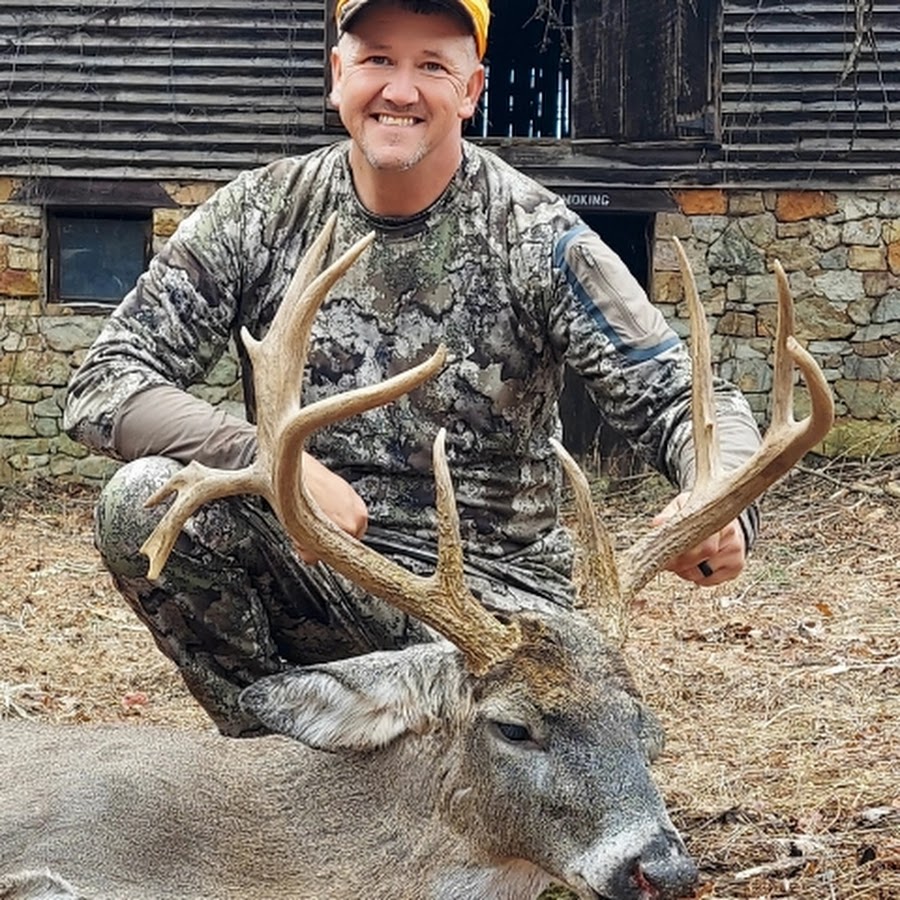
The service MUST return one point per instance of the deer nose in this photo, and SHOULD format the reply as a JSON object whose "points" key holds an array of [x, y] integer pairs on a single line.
{"points": [[664, 871]]}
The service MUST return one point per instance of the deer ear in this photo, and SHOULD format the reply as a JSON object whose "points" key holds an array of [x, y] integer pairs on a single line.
{"points": [[29, 883], [360, 703]]}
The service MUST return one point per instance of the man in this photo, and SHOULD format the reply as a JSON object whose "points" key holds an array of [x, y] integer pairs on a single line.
{"points": [[468, 252]]}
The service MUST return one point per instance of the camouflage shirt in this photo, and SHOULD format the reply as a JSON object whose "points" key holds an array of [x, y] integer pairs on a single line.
{"points": [[498, 269]]}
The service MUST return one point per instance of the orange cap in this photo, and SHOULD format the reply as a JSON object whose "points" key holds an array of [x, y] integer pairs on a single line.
{"points": [[477, 11]]}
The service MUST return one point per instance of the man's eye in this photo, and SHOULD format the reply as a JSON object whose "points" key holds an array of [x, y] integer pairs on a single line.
{"points": [[515, 734]]}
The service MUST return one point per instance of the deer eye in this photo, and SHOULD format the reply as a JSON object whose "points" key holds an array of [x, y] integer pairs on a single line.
{"points": [[514, 733]]}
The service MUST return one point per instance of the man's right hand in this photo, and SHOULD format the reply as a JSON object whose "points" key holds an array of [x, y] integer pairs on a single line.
{"points": [[336, 498]]}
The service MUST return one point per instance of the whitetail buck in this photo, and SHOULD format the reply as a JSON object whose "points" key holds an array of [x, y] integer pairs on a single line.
{"points": [[513, 754]]}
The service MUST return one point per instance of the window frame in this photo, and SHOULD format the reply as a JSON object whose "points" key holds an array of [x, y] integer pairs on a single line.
{"points": [[55, 216]]}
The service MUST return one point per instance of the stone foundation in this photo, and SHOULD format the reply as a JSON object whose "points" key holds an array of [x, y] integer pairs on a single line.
{"points": [[41, 344], [841, 253], [840, 250]]}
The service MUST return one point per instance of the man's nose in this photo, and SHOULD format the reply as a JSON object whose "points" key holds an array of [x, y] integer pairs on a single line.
{"points": [[401, 88]]}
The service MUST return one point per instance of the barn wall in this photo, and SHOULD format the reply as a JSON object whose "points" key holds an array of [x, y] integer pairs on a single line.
{"points": [[810, 91], [175, 89], [41, 343], [791, 153]]}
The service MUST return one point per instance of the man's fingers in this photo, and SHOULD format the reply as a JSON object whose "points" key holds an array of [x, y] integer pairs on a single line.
{"points": [[702, 553], [337, 500], [719, 558]]}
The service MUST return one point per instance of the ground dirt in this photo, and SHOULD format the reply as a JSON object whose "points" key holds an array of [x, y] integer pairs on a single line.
{"points": [[780, 692]]}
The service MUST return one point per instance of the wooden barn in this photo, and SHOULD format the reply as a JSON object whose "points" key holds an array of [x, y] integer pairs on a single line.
{"points": [[751, 129]]}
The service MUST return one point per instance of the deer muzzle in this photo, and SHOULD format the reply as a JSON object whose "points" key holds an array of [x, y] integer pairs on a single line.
{"points": [[663, 871]]}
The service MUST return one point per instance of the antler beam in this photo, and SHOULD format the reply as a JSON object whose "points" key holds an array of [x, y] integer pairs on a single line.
{"points": [[716, 497]]}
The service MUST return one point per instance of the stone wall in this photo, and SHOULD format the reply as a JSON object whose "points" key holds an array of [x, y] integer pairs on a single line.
{"points": [[41, 344], [841, 252]]}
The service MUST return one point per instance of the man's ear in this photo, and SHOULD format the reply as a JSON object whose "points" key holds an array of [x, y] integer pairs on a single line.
{"points": [[334, 97], [474, 87]]}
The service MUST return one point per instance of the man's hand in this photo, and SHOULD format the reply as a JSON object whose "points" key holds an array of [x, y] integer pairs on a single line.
{"points": [[336, 499], [719, 558]]}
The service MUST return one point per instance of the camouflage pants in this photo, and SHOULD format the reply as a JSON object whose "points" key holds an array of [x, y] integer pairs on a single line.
{"points": [[235, 602]]}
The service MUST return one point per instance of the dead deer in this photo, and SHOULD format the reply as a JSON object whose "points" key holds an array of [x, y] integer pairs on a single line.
{"points": [[512, 754]]}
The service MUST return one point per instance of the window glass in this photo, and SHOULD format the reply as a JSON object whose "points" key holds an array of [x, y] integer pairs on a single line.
{"points": [[97, 257]]}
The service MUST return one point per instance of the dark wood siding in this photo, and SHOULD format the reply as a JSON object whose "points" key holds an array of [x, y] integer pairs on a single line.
{"points": [[643, 69], [158, 89], [794, 93], [810, 89], [664, 92]]}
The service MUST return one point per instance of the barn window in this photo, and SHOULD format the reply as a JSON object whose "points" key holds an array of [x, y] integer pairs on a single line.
{"points": [[96, 255], [528, 71]]}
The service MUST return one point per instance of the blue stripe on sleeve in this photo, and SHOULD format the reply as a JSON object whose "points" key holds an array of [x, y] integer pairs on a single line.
{"points": [[632, 354]]}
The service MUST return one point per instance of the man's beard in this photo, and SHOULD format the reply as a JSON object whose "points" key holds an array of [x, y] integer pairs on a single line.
{"points": [[386, 161]]}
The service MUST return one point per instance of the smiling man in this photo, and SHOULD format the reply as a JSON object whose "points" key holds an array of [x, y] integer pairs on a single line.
{"points": [[404, 80], [468, 252]]}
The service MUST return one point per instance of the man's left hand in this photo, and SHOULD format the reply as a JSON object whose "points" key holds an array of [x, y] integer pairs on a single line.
{"points": [[719, 558]]}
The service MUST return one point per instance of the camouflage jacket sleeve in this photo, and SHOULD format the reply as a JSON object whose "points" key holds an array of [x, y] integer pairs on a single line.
{"points": [[637, 369], [169, 330]]}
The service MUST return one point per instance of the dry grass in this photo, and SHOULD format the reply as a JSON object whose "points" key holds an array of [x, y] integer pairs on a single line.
{"points": [[780, 692], [781, 696], [70, 650]]}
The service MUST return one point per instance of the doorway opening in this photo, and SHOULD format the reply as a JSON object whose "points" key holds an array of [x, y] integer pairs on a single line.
{"points": [[586, 435]]}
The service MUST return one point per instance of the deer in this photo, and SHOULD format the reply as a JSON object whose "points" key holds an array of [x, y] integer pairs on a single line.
{"points": [[510, 753]]}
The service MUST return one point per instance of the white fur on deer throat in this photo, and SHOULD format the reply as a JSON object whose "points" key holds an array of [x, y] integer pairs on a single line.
{"points": [[519, 879]]}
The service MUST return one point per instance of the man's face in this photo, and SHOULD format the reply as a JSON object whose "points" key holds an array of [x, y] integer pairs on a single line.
{"points": [[403, 81]]}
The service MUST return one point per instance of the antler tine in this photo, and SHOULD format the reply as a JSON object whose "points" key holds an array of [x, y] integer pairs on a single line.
{"points": [[596, 575], [457, 613], [442, 600], [197, 484], [193, 486], [707, 463], [279, 359], [717, 498]]}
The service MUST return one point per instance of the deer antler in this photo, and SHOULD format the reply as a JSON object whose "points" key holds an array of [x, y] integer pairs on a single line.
{"points": [[716, 497], [197, 484], [442, 600]]}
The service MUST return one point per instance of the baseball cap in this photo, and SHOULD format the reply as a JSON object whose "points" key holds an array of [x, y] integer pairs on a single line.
{"points": [[477, 11]]}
